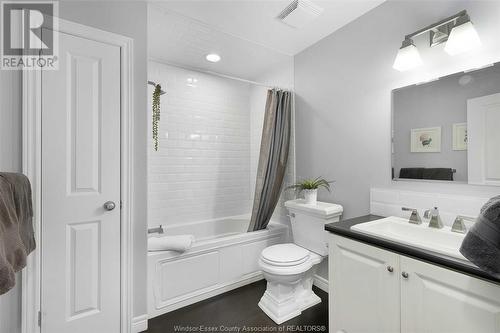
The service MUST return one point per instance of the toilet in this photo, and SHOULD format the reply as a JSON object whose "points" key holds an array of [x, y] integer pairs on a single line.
{"points": [[290, 268]]}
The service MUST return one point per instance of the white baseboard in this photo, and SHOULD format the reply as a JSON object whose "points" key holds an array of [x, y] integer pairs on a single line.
{"points": [[321, 283], [139, 324]]}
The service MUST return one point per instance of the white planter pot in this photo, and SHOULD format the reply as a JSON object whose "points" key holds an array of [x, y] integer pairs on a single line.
{"points": [[311, 196]]}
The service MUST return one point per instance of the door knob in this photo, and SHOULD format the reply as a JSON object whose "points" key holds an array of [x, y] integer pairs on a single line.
{"points": [[390, 269], [405, 275], [109, 205]]}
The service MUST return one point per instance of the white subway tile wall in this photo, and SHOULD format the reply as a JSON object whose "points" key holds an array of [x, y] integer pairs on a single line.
{"points": [[388, 202], [202, 168], [209, 143]]}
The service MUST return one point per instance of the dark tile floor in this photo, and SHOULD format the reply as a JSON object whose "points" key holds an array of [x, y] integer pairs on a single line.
{"points": [[237, 311]]}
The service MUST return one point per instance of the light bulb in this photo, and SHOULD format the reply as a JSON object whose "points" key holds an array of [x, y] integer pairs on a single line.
{"points": [[463, 38], [408, 57], [213, 57]]}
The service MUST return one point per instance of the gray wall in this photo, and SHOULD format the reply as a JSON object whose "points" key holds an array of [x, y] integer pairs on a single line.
{"points": [[128, 18], [10, 121], [343, 88], [10, 160]]}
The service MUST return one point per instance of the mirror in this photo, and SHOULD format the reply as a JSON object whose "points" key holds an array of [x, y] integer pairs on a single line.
{"points": [[448, 129]]}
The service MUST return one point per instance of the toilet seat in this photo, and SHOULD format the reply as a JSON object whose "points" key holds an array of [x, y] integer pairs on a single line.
{"points": [[285, 255], [287, 259]]}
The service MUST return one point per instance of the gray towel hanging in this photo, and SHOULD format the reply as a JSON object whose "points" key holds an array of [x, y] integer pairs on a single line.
{"points": [[16, 227]]}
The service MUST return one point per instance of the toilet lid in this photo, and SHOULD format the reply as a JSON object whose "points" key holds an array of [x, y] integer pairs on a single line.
{"points": [[285, 254]]}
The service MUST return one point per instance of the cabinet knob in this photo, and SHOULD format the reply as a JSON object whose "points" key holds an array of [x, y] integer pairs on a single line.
{"points": [[405, 275], [390, 269]]}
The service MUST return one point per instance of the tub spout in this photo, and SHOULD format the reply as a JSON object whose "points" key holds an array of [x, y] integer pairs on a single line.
{"points": [[155, 230]]}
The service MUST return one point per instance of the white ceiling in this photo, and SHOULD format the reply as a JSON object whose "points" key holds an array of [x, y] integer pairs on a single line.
{"points": [[245, 33], [256, 20], [180, 41]]}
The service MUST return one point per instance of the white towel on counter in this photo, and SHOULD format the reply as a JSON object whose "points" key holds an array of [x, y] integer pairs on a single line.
{"points": [[179, 243]]}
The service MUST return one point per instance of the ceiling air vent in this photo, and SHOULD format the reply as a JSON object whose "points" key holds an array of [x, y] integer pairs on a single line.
{"points": [[299, 12]]}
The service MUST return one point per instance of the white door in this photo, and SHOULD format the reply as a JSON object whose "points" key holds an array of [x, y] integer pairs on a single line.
{"points": [[80, 241], [483, 119], [438, 300], [364, 288]]}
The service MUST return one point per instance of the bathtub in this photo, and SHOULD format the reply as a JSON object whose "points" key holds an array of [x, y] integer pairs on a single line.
{"points": [[223, 257]]}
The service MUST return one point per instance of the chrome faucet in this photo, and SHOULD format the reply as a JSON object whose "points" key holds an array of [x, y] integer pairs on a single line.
{"points": [[415, 217], [156, 230], [435, 220], [459, 224]]}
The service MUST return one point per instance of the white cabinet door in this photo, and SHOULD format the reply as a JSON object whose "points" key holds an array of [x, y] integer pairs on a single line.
{"points": [[483, 117], [438, 300], [80, 244], [364, 293]]}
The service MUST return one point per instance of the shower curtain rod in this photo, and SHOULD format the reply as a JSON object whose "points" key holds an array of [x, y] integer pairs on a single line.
{"points": [[219, 74]]}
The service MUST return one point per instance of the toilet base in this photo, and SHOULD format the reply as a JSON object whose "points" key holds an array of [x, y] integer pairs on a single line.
{"points": [[288, 295], [311, 300], [279, 313]]}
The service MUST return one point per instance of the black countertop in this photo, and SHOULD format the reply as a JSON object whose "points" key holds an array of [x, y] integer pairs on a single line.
{"points": [[343, 228]]}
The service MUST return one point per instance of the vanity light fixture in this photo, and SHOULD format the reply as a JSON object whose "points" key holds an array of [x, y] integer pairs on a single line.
{"points": [[213, 57], [408, 56], [463, 37], [457, 31]]}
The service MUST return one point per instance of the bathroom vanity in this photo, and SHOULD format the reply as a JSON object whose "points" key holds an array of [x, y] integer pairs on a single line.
{"points": [[378, 284]]}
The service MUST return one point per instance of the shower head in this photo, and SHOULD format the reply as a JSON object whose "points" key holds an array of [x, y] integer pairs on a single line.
{"points": [[154, 84]]}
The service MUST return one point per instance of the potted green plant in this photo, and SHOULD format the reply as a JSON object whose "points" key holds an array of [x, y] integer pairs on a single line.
{"points": [[156, 113], [310, 188]]}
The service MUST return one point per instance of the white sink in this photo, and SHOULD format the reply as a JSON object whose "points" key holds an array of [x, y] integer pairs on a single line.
{"points": [[442, 241]]}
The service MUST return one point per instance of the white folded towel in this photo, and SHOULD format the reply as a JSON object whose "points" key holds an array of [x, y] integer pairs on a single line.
{"points": [[179, 243]]}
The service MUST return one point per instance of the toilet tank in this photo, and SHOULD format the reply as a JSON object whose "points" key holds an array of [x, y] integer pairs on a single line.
{"points": [[308, 223]]}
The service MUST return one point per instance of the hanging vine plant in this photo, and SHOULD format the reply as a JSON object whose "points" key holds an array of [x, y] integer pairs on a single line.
{"points": [[156, 114]]}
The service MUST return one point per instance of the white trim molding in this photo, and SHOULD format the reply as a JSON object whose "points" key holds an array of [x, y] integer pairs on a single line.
{"points": [[32, 168], [139, 324], [31, 136], [321, 283]]}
